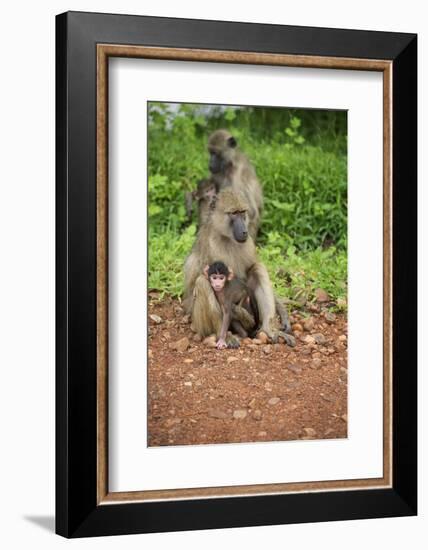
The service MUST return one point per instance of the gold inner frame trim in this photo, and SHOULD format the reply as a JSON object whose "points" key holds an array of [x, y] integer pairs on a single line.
{"points": [[104, 51]]}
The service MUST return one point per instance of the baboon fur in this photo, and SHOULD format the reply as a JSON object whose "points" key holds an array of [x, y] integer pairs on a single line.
{"points": [[237, 172]]}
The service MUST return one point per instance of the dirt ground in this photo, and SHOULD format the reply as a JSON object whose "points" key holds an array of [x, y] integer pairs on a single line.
{"points": [[259, 392]]}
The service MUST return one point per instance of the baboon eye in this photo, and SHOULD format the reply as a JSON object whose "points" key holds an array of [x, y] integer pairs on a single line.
{"points": [[232, 142]]}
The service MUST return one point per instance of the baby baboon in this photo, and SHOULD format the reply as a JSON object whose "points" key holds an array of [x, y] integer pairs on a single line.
{"points": [[205, 194], [230, 292], [225, 238], [231, 168]]}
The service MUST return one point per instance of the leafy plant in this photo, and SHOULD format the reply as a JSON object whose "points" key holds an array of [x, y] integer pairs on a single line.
{"points": [[301, 161]]}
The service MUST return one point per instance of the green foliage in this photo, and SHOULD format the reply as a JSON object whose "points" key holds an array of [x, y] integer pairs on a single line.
{"points": [[301, 161], [167, 252], [295, 273]]}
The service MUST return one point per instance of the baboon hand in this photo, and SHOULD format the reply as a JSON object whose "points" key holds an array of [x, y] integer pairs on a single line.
{"points": [[221, 344]]}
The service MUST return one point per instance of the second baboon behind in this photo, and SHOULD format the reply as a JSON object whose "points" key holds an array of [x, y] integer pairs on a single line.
{"points": [[230, 167]]}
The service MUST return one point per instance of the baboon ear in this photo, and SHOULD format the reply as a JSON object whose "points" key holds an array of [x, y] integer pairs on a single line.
{"points": [[232, 142], [231, 274], [206, 268]]}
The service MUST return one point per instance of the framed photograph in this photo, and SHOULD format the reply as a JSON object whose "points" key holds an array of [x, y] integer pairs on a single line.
{"points": [[236, 274]]}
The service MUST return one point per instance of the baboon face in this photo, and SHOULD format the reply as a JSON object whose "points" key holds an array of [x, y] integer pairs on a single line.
{"points": [[238, 221], [231, 215], [221, 148], [206, 190]]}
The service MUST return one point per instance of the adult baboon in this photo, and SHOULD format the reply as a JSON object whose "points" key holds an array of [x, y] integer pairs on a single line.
{"points": [[231, 168], [224, 237]]}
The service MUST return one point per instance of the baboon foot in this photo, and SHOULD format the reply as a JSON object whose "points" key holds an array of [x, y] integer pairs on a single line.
{"points": [[288, 338], [233, 343]]}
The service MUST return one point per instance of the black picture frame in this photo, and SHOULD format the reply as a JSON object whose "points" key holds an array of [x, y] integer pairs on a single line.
{"points": [[78, 513]]}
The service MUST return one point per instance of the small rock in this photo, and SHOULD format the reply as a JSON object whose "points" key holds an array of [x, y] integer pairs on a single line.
{"points": [[246, 359], [263, 337], [156, 319], [308, 339], [252, 403], [277, 347], [305, 351], [321, 295], [231, 359], [210, 341], [267, 349], [316, 355], [314, 308], [319, 338], [256, 341], [330, 317], [308, 324], [239, 414], [188, 361], [268, 386], [342, 338], [341, 302], [309, 432], [294, 368], [215, 413], [150, 354], [262, 434], [274, 401], [257, 414], [315, 364], [328, 431], [246, 341], [188, 383], [197, 338], [327, 398], [182, 344], [172, 422], [344, 417], [297, 327]]}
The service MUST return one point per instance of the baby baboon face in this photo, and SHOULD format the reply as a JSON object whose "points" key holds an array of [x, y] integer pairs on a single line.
{"points": [[206, 190]]}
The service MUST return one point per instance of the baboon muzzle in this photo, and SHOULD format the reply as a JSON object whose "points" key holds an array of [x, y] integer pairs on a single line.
{"points": [[239, 229], [215, 164]]}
